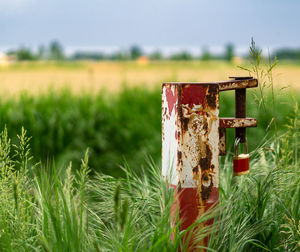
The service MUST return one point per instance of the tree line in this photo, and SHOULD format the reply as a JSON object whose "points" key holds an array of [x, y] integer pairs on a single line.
{"points": [[55, 51]]}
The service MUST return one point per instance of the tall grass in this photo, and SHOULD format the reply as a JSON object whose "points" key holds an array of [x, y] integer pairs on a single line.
{"points": [[43, 208], [50, 209]]}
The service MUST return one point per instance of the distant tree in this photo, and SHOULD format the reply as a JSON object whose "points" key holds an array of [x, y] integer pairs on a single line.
{"points": [[41, 52], [206, 54], [287, 54], [182, 56], [23, 54], [156, 56], [88, 56], [120, 55], [229, 54], [135, 52], [56, 51]]}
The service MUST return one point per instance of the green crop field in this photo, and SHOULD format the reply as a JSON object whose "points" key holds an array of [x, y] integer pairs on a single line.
{"points": [[81, 172]]}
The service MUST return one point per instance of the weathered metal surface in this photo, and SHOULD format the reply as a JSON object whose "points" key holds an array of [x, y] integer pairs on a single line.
{"points": [[190, 125], [241, 77], [199, 130], [240, 112], [238, 84], [237, 122], [199, 127], [232, 123], [191, 146], [227, 85], [222, 141], [193, 137]]}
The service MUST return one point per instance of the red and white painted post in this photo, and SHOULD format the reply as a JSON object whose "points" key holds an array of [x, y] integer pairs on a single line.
{"points": [[193, 137]]}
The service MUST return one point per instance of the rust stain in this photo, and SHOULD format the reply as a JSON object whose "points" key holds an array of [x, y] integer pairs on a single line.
{"points": [[178, 134], [196, 170], [211, 96], [222, 141], [237, 122], [205, 162], [185, 122], [207, 185], [179, 158], [237, 84]]}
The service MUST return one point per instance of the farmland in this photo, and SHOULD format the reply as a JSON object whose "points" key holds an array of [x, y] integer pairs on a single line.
{"points": [[113, 110], [90, 77]]}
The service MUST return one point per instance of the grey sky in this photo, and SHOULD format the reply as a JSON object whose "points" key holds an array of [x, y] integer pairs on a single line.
{"points": [[155, 23]]}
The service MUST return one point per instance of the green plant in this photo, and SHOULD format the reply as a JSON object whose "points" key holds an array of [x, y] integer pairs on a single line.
{"points": [[54, 209]]}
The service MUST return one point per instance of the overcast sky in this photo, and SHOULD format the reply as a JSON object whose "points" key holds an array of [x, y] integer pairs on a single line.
{"points": [[152, 23]]}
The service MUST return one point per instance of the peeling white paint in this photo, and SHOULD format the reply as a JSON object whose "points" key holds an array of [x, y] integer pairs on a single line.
{"points": [[169, 142]]}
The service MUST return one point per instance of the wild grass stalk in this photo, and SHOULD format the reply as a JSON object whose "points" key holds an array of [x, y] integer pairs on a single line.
{"points": [[54, 209]]}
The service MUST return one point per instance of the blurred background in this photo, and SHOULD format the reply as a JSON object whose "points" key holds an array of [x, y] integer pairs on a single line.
{"points": [[87, 74]]}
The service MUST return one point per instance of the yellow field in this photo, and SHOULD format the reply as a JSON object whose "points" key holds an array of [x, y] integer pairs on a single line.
{"points": [[91, 77]]}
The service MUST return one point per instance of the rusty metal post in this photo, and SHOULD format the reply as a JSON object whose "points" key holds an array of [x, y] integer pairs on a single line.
{"points": [[240, 112], [190, 133], [240, 108], [193, 137]]}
